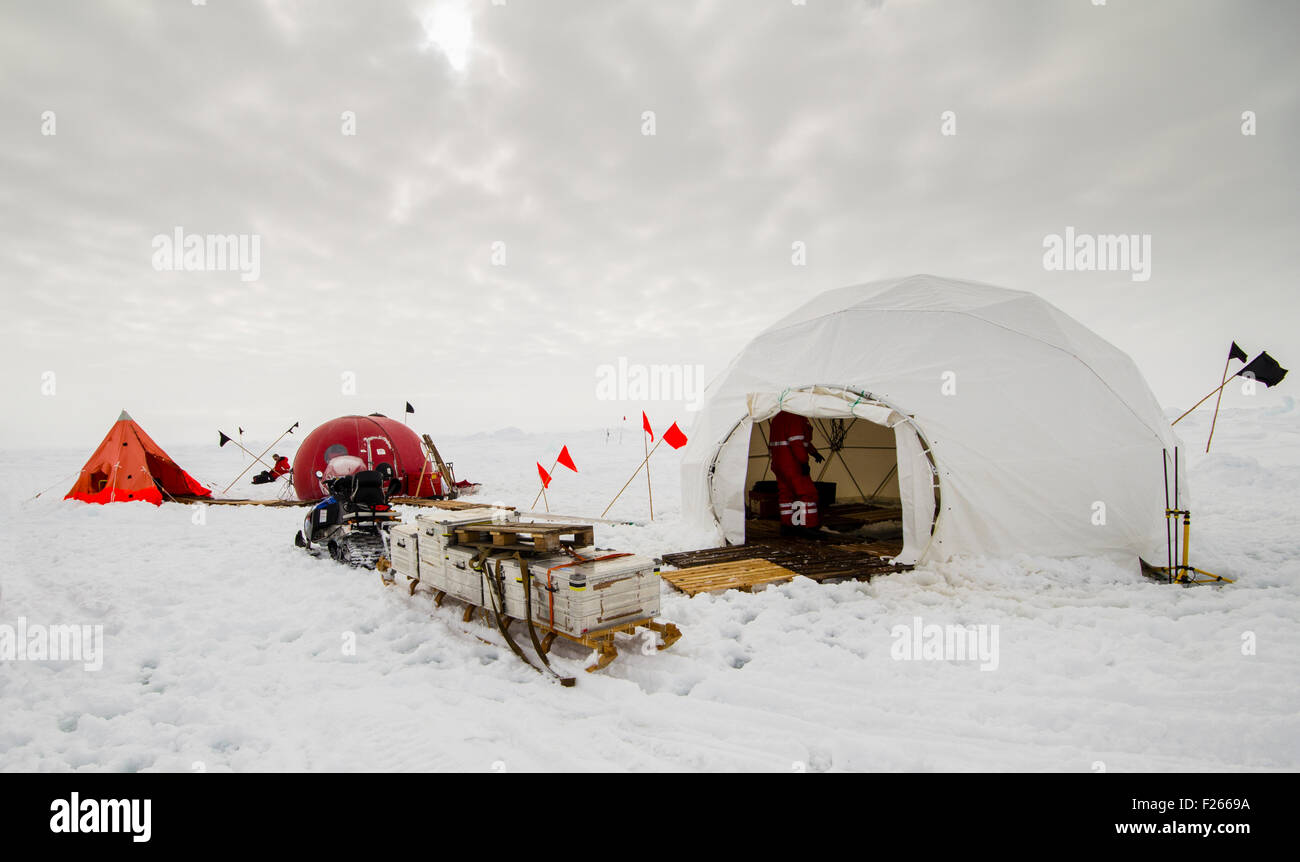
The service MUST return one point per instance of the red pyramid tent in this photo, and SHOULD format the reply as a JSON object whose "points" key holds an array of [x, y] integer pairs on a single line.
{"points": [[128, 465]]}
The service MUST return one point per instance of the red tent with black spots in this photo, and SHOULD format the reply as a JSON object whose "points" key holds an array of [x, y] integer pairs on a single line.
{"points": [[128, 465]]}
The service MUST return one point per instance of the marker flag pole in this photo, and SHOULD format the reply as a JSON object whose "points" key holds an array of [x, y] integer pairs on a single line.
{"points": [[288, 431]]}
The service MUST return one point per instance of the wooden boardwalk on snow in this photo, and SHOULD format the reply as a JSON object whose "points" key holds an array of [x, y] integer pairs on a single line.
{"points": [[422, 502], [768, 557]]}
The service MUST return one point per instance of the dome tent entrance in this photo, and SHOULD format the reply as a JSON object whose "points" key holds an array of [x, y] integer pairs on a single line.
{"points": [[1024, 430], [873, 453]]}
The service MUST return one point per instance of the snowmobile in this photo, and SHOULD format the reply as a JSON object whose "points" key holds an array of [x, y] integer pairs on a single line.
{"points": [[351, 524]]}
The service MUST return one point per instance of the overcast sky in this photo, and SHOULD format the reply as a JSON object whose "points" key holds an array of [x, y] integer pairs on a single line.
{"points": [[523, 124]]}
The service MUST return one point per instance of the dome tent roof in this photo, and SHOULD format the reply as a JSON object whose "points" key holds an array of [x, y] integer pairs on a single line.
{"points": [[1029, 418]]}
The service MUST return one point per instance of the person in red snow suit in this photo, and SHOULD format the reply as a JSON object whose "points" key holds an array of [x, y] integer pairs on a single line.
{"points": [[281, 467], [790, 444]]}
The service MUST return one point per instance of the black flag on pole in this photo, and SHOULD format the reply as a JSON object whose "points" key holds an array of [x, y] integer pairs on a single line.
{"points": [[224, 439], [409, 408], [1265, 369], [1236, 353]]}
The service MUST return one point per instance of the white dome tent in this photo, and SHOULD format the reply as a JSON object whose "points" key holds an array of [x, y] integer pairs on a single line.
{"points": [[998, 424]]}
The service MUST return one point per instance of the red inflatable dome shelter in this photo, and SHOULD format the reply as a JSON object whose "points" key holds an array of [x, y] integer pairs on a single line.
{"points": [[375, 439]]}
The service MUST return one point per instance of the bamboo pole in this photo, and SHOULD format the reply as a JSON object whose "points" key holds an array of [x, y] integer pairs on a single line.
{"points": [[288, 431], [419, 481], [542, 493], [1217, 402], [629, 481], [1206, 398], [580, 519], [256, 460], [645, 445]]}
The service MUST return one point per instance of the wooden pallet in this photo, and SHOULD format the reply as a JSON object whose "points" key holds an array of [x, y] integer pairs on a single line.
{"points": [[820, 560], [535, 537], [869, 515], [736, 575]]}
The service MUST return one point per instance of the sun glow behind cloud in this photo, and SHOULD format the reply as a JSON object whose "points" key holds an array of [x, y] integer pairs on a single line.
{"points": [[449, 28]]}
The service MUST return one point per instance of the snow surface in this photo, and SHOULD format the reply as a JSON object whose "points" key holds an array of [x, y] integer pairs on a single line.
{"points": [[224, 643]]}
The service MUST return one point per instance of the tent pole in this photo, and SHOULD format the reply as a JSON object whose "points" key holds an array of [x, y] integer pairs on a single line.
{"points": [[766, 448], [1169, 548], [886, 479], [826, 464], [850, 472], [1176, 504]]}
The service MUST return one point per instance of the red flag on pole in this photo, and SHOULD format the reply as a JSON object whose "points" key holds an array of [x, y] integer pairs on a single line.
{"points": [[674, 437], [645, 423], [566, 459], [546, 477]]}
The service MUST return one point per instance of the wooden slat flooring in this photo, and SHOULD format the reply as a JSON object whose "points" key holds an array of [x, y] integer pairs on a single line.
{"points": [[736, 575]]}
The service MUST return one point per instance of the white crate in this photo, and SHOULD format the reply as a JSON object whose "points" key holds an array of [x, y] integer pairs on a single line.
{"points": [[597, 595], [403, 541], [512, 582], [456, 576], [437, 535], [587, 597]]}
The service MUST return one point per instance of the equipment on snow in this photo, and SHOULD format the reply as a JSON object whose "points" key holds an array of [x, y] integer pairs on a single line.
{"points": [[352, 523]]}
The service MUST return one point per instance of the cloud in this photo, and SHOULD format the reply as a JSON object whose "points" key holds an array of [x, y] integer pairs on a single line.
{"points": [[519, 128]]}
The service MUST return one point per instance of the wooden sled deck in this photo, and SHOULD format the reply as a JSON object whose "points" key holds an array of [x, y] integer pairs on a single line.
{"points": [[768, 557]]}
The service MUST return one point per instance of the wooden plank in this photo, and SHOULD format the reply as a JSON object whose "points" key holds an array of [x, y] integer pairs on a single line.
{"points": [[872, 516], [220, 501], [448, 479], [738, 574], [450, 505], [534, 527]]}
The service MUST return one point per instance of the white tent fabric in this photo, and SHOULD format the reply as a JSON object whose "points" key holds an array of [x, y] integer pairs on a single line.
{"points": [[1042, 437]]}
